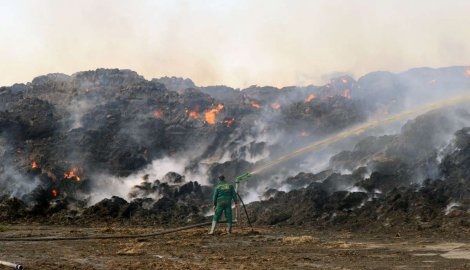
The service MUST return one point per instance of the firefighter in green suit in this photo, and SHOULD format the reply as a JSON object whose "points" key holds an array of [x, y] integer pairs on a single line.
{"points": [[222, 198]]}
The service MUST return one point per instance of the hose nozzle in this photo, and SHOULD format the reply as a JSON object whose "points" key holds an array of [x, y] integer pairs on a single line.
{"points": [[242, 177]]}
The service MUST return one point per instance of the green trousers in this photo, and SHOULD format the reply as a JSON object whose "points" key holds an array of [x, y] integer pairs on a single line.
{"points": [[226, 207]]}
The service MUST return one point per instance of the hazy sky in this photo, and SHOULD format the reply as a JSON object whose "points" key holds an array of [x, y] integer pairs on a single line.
{"points": [[237, 43]]}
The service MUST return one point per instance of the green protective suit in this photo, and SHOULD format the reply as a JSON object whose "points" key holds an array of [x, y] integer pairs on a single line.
{"points": [[222, 198]]}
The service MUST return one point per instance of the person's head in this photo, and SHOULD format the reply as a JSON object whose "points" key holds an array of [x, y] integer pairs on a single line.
{"points": [[221, 177]]}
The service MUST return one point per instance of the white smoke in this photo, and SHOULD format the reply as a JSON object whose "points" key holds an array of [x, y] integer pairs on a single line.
{"points": [[13, 182], [106, 185], [78, 109], [16, 184]]}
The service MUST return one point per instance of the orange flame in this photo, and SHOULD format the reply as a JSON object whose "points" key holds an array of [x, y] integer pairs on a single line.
{"points": [[211, 115], [432, 81], [193, 114], [255, 105], [467, 72], [73, 174], [344, 81], [54, 193], [346, 93], [310, 98], [34, 165], [158, 114], [229, 121]]}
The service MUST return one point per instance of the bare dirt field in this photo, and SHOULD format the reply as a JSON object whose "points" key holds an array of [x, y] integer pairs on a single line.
{"points": [[264, 248]]}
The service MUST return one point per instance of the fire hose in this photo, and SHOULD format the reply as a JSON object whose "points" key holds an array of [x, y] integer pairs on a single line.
{"points": [[95, 237], [101, 237], [14, 265], [105, 237], [239, 179], [246, 212]]}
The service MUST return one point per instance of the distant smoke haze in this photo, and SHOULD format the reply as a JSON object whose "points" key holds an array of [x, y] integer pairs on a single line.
{"points": [[236, 43]]}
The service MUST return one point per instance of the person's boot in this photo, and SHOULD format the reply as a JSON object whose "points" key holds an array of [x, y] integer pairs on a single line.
{"points": [[229, 228], [214, 224]]}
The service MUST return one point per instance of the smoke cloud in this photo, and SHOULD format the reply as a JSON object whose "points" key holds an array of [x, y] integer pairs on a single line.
{"points": [[234, 43]]}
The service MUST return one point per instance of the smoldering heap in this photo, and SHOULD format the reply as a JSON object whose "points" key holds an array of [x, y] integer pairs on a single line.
{"points": [[63, 137], [385, 190]]}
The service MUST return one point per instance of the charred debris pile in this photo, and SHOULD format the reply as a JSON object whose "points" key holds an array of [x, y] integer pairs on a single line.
{"points": [[61, 135]]}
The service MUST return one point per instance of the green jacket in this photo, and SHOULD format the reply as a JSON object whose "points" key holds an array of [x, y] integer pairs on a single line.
{"points": [[224, 191]]}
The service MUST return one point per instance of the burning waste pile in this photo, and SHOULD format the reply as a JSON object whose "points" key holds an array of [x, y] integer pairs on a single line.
{"points": [[109, 145]]}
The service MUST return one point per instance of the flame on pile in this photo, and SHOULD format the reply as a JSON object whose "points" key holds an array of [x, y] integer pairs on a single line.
{"points": [[467, 72], [54, 192], [193, 114], [158, 114], [344, 81], [255, 105], [304, 134], [34, 165], [432, 81], [346, 93], [73, 174], [276, 106], [211, 115], [229, 121], [310, 98]]}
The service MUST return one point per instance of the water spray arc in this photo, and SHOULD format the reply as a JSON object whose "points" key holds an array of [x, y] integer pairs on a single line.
{"points": [[355, 131]]}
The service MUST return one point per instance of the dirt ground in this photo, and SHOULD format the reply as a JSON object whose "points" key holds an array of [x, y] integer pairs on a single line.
{"points": [[265, 248]]}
